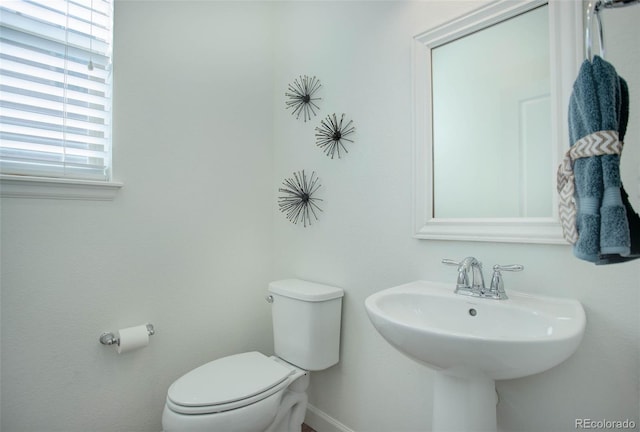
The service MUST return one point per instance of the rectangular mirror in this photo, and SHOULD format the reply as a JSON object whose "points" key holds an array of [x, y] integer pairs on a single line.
{"points": [[491, 90], [492, 127]]}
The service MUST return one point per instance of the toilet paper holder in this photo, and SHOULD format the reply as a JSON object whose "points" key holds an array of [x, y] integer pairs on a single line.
{"points": [[108, 338]]}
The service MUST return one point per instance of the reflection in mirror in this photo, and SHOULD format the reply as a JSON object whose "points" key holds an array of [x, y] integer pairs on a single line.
{"points": [[492, 121], [490, 94]]}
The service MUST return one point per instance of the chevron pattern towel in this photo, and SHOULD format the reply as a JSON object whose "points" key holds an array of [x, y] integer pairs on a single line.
{"points": [[596, 144], [596, 107]]}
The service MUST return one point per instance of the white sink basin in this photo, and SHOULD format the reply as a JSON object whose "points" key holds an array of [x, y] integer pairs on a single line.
{"points": [[502, 339]]}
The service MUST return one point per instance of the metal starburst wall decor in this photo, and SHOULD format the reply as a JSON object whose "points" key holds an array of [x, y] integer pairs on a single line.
{"points": [[301, 98], [297, 201], [331, 134]]}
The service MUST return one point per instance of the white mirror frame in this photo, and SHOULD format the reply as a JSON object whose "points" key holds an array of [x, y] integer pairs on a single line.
{"points": [[565, 39]]}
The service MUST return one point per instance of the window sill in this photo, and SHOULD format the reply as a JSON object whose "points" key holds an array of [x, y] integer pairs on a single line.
{"points": [[12, 186]]}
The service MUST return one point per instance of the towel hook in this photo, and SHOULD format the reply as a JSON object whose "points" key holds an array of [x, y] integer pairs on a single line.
{"points": [[593, 9]]}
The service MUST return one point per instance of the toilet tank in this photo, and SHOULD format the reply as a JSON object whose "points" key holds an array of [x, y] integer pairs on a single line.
{"points": [[306, 323]]}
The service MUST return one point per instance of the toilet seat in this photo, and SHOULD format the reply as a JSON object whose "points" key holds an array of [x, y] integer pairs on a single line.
{"points": [[228, 383]]}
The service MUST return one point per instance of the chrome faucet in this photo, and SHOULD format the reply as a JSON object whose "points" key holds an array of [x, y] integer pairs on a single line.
{"points": [[471, 280]]}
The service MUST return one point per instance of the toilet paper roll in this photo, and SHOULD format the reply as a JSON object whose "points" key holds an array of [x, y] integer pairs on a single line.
{"points": [[132, 338]]}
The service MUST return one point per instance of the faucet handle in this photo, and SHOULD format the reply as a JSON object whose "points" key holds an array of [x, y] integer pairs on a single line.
{"points": [[463, 278], [508, 267], [497, 283]]}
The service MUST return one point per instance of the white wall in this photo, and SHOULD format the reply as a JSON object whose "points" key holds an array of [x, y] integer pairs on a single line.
{"points": [[361, 51], [190, 247], [186, 245]]}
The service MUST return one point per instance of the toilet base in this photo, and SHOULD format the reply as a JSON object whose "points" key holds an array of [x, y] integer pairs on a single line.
{"points": [[293, 406], [291, 413]]}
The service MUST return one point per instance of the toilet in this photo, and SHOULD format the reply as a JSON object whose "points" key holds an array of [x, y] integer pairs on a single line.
{"points": [[252, 392]]}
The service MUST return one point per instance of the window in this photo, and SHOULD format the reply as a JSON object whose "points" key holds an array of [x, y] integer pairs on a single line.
{"points": [[55, 88]]}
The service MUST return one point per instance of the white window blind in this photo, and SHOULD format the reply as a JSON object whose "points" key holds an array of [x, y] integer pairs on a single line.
{"points": [[55, 88]]}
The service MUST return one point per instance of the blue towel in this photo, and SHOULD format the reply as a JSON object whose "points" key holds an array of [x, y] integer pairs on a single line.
{"points": [[596, 104], [632, 216]]}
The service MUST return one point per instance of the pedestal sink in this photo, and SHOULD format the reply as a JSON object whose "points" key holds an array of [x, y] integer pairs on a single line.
{"points": [[472, 342]]}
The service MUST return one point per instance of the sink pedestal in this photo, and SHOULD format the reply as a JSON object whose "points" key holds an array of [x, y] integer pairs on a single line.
{"points": [[464, 401]]}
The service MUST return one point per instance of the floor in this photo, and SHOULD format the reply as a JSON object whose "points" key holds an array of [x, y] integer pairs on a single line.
{"points": [[306, 428]]}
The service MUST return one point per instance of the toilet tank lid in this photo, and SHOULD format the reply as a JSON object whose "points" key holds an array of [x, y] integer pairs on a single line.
{"points": [[303, 290]]}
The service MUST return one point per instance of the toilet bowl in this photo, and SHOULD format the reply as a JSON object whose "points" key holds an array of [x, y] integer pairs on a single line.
{"points": [[238, 393], [250, 392]]}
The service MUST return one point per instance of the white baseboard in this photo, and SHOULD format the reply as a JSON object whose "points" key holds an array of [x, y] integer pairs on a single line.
{"points": [[323, 422]]}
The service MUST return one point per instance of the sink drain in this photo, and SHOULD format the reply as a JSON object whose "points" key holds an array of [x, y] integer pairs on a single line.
{"points": [[473, 312]]}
